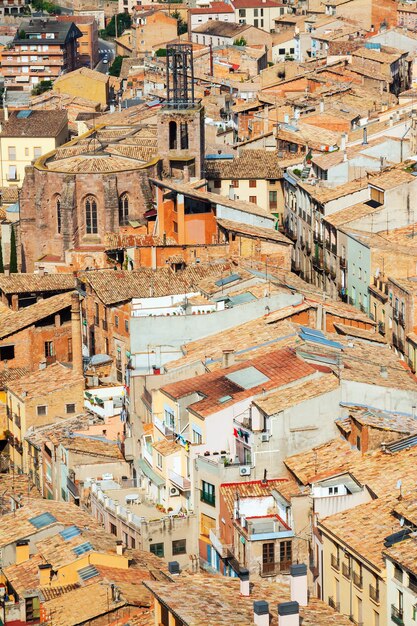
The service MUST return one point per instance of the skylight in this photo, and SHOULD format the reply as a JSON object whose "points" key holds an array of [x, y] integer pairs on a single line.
{"points": [[40, 521], [70, 532], [85, 573], [83, 548], [248, 377]]}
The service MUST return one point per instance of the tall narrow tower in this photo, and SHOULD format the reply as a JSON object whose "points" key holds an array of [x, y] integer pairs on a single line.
{"points": [[181, 119]]}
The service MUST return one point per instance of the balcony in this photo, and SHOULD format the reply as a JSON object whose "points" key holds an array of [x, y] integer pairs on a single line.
{"points": [[317, 238], [401, 319], [335, 605], [342, 263], [179, 481], [396, 314], [223, 549], [381, 328], [308, 247], [397, 615], [333, 248], [346, 570], [318, 262], [374, 593], [357, 580], [394, 340], [335, 562], [356, 621], [401, 347], [271, 527], [273, 569]]}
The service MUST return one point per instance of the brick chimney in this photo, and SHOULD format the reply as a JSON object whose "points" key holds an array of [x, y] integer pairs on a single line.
{"points": [[228, 358], [244, 582], [298, 583], [77, 355], [288, 614], [261, 613]]}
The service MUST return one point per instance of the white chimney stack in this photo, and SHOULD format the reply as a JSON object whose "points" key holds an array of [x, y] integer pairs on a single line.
{"points": [[119, 547], [288, 614], [261, 613], [244, 582], [343, 138], [298, 583]]}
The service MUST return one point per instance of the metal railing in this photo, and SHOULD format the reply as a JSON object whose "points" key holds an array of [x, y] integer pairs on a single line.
{"points": [[357, 580], [397, 615], [335, 562], [346, 570], [374, 593], [335, 605]]}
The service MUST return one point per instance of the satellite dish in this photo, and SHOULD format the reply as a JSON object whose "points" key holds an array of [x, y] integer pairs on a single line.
{"points": [[401, 521]]}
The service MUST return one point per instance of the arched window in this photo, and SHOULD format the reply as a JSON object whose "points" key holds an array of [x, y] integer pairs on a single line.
{"points": [[91, 215], [173, 135], [58, 214], [184, 135], [123, 209]]}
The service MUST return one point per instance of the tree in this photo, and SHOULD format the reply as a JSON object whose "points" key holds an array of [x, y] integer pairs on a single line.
{"points": [[13, 253], [1, 260], [181, 25], [241, 41], [116, 66], [44, 85], [124, 21], [161, 52]]}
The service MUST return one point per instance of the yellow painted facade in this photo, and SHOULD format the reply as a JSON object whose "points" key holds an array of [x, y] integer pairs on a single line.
{"points": [[84, 83]]}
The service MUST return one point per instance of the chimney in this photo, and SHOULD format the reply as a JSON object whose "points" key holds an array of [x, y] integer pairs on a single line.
{"points": [[413, 410], [321, 106], [119, 547], [174, 568], [343, 142], [345, 158], [365, 136], [228, 357], [22, 551], [6, 111], [45, 571], [77, 355], [244, 582], [298, 583], [261, 613], [288, 614], [383, 370]]}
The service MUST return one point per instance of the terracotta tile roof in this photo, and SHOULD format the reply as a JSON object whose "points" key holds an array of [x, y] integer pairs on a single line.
{"points": [[9, 195], [215, 7], [384, 420], [13, 321], [331, 457], [254, 231], [220, 29], [24, 576], [391, 178], [326, 194], [49, 593], [92, 446], [407, 508], [15, 486], [166, 447], [31, 283], [57, 432], [16, 525], [361, 333], [384, 55], [83, 71], [12, 374], [211, 601], [112, 287], [404, 553], [351, 214], [249, 164], [287, 487], [42, 382], [364, 528], [291, 396], [281, 367], [38, 124]]}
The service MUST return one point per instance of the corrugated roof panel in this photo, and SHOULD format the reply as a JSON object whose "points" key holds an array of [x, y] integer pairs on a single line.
{"points": [[70, 532], [42, 520], [85, 573], [322, 341], [248, 377], [310, 331], [242, 298], [83, 548], [24, 114], [228, 279]]}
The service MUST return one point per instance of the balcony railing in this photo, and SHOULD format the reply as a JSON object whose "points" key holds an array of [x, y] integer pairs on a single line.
{"points": [[335, 562], [381, 328], [401, 319], [317, 238], [179, 481], [397, 615], [333, 248], [335, 605], [272, 569], [374, 593], [223, 549], [342, 262], [346, 570], [357, 580]]}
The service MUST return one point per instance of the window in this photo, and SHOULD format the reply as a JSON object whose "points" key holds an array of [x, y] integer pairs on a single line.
{"points": [[12, 153], [235, 184], [12, 175], [123, 209], [91, 215], [70, 408], [281, 51], [173, 135], [184, 136], [127, 326], [252, 182], [6, 353], [377, 195], [242, 12], [41, 410], [179, 547], [32, 609], [217, 184], [197, 437], [132, 543], [175, 227], [49, 348], [398, 573], [27, 152], [268, 558], [208, 494], [285, 553], [255, 12], [116, 321], [358, 442], [252, 199], [169, 418], [159, 460], [157, 548], [37, 152], [113, 529], [96, 314], [58, 214]]}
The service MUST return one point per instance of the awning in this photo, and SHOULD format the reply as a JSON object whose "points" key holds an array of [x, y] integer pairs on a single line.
{"points": [[149, 473]]}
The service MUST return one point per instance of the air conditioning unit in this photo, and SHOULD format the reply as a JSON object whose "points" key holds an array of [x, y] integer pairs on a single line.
{"points": [[174, 491], [265, 437], [245, 470]]}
